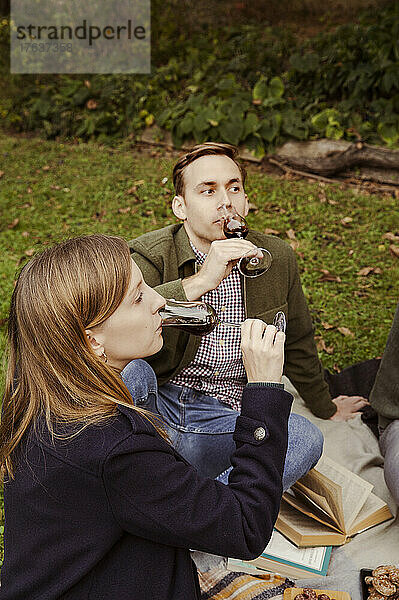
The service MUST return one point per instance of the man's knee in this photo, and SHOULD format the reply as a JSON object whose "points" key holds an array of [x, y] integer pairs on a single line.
{"points": [[140, 380], [306, 439]]}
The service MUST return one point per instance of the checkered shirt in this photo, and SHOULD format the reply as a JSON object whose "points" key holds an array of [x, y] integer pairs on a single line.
{"points": [[217, 369]]}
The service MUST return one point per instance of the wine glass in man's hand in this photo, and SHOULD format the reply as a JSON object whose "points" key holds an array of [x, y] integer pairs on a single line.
{"points": [[235, 226]]}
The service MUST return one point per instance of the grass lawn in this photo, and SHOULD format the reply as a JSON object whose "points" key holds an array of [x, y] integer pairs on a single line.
{"points": [[50, 191]]}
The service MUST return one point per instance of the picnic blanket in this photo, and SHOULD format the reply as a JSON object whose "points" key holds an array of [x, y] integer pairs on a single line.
{"points": [[353, 445], [220, 584]]}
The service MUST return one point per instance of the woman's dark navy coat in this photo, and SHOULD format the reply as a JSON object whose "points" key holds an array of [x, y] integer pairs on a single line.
{"points": [[112, 513]]}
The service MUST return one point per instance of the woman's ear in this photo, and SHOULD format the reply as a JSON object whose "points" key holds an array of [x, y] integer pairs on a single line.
{"points": [[96, 344], [179, 207]]}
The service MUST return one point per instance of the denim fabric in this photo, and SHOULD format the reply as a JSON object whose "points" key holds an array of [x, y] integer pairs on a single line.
{"points": [[389, 446], [141, 382], [201, 428]]}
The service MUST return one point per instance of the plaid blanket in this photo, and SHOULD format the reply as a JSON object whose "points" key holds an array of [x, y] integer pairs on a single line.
{"points": [[221, 584]]}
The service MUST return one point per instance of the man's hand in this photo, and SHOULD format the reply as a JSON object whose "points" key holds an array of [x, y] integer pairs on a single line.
{"points": [[348, 407], [221, 258]]}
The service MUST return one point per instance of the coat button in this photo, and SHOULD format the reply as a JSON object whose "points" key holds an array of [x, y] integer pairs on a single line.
{"points": [[259, 434]]}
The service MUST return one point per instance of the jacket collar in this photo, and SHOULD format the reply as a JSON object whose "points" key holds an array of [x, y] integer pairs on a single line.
{"points": [[183, 249]]}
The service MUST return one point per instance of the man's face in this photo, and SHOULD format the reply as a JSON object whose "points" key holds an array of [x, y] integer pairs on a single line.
{"points": [[209, 182]]}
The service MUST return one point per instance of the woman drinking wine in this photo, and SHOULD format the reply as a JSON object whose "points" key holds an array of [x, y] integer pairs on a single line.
{"points": [[98, 504]]}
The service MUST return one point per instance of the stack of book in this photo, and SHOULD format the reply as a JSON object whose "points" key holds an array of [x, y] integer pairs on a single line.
{"points": [[322, 509], [282, 557]]}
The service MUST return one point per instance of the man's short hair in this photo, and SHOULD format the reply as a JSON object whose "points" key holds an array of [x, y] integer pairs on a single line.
{"points": [[206, 149]]}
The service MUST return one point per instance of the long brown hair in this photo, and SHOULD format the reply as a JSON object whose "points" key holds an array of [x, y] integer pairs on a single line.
{"points": [[52, 370]]}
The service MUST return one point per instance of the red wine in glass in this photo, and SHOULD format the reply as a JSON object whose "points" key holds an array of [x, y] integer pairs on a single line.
{"points": [[200, 318], [235, 226], [196, 317]]}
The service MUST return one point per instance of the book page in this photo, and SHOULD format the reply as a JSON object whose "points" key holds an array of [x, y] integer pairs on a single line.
{"points": [[317, 502], [355, 490], [373, 511], [309, 510], [280, 547], [325, 486], [303, 530]]}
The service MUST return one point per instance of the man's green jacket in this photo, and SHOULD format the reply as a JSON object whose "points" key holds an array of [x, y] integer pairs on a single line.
{"points": [[165, 257]]}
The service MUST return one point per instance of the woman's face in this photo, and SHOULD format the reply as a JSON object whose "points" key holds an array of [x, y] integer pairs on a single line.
{"points": [[134, 329]]}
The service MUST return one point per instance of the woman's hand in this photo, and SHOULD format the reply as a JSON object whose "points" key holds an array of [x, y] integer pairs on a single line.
{"points": [[262, 351]]}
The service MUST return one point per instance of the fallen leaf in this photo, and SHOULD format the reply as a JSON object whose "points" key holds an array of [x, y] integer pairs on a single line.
{"points": [[164, 181], [13, 224], [346, 221], [46, 168], [394, 250], [1, 174], [271, 231], [66, 189], [322, 197], [30, 252], [290, 234], [327, 276], [332, 202], [25, 234], [392, 237], [294, 244], [345, 331], [29, 190], [327, 325], [322, 347], [256, 102], [91, 104], [123, 211], [350, 253], [139, 182], [367, 270], [278, 209], [87, 83], [55, 187]]}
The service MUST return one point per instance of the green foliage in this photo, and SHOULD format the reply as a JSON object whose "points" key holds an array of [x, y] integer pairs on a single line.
{"points": [[250, 84]]}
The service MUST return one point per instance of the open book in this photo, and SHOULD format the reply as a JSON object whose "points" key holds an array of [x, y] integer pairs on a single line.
{"points": [[329, 505]]}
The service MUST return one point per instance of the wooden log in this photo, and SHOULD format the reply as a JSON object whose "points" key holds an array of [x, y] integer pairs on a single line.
{"points": [[327, 157]]}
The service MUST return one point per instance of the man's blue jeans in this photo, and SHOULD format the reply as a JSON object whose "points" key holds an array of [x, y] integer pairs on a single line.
{"points": [[201, 428]]}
